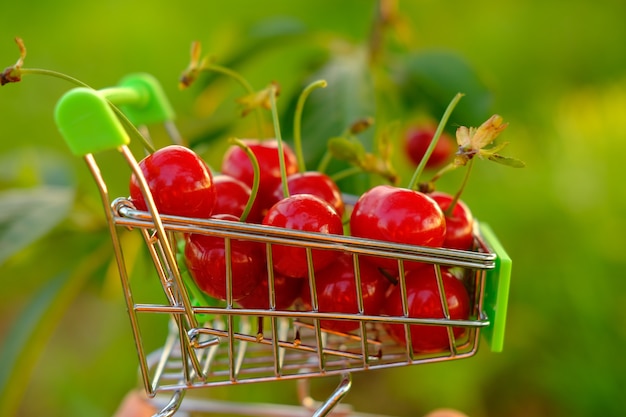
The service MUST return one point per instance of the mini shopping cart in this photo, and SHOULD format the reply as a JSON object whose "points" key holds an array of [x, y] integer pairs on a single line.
{"points": [[211, 344]]}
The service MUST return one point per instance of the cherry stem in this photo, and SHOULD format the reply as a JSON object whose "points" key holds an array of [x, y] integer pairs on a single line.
{"points": [[323, 164], [244, 83], [450, 167], [297, 121], [279, 142], [55, 74], [457, 196], [328, 156], [131, 128], [388, 276], [255, 179], [442, 123], [346, 173]]}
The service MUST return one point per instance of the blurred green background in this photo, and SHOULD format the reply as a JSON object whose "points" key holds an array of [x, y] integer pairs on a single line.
{"points": [[556, 71]]}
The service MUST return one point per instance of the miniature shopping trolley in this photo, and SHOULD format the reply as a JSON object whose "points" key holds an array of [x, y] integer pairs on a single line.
{"points": [[221, 344]]}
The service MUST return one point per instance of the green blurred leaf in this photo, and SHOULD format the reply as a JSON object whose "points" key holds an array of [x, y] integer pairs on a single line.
{"points": [[507, 160], [348, 98], [26, 339], [28, 214], [432, 78], [30, 166], [276, 28], [260, 39], [344, 149]]}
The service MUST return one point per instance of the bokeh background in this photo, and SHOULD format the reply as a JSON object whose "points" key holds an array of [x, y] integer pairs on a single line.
{"points": [[556, 71]]}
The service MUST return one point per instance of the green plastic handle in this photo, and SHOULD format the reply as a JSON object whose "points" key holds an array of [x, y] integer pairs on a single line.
{"points": [[89, 124], [496, 296], [152, 105]]}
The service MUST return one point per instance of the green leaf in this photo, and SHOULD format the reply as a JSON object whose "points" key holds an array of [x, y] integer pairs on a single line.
{"points": [[506, 160], [349, 97], [198, 297], [344, 149], [30, 166], [26, 339], [28, 214], [275, 29], [431, 78], [260, 38]]}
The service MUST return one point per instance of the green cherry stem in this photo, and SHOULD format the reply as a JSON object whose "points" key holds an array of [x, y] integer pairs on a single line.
{"points": [[279, 141], [450, 167], [197, 295], [338, 176], [55, 74], [244, 83], [442, 123], [457, 196], [255, 181], [323, 164], [297, 121], [131, 129]]}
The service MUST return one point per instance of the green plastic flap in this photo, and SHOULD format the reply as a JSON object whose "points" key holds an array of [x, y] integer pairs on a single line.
{"points": [[496, 297], [151, 105], [88, 123]]}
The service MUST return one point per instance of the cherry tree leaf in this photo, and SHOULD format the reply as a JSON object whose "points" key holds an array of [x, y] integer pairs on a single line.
{"points": [[347, 150], [328, 113], [430, 78], [506, 160], [27, 337], [28, 214]]}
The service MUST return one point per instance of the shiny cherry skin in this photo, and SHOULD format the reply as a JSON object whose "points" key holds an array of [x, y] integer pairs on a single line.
{"points": [[180, 182], [424, 301], [205, 257], [459, 224], [303, 212], [236, 163], [398, 215], [417, 141], [232, 196], [286, 292], [316, 183], [336, 289]]}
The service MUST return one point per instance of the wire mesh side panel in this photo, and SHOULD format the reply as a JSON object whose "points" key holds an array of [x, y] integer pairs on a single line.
{"points": [[233, 344]]}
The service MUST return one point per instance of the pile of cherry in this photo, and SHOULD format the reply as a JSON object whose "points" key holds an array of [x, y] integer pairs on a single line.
{"points": [[182, 184]]}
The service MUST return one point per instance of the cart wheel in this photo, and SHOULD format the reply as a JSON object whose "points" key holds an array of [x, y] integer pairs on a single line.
{"points": [[170, 409], [324, 408]]}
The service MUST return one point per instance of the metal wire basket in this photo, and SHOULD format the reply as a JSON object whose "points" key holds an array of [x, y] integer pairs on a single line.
{"points": [[224, 344]]}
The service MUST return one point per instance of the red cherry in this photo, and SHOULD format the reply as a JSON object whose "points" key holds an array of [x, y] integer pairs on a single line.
{"points": [[316, 183], [307, 213], [181, 183], [337, 292], [398, 215], [206, 261], [417, 141], [232, 196], [424, 301], [237, 164], [459, 224], [286, 292]]}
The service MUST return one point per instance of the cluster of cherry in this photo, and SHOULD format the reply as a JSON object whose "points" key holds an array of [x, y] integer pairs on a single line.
{"points": [[259, 182]]}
